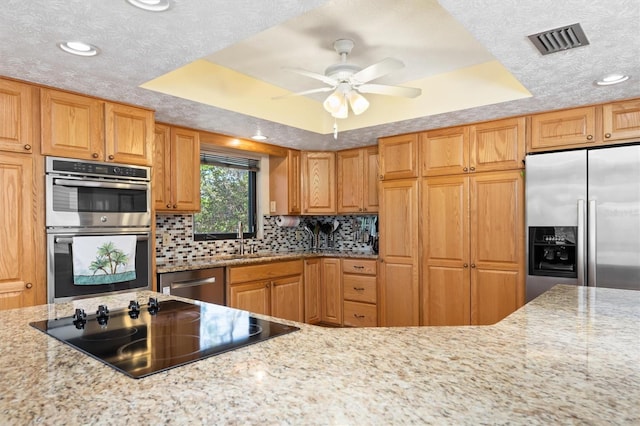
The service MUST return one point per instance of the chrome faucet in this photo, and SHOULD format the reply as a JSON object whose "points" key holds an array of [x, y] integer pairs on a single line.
{"points": [[240, 236]]}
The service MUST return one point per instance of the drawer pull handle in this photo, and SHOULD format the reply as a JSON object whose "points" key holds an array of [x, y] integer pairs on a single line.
{"points": [[358, 288], [358, 267], [358, 316]]}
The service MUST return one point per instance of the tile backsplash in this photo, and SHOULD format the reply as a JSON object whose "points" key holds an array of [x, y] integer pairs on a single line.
{"points": [[177, 231]]}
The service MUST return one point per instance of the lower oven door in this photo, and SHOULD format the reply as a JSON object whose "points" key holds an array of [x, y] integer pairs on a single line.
{"points": [[60, 262]]}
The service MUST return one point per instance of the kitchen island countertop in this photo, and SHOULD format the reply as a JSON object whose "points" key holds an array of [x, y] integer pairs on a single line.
{"points": [[572, 356]]}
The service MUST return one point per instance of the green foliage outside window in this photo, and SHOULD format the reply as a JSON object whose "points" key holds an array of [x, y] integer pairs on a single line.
{"points": [[227, 196]]}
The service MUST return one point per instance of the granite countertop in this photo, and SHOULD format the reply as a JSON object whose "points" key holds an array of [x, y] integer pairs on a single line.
{"points": [[572, 356], [262, 257]]}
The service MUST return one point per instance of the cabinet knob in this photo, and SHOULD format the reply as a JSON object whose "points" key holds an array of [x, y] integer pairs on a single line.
{"points": [[268, 285], [589, 137], [465, 265], [111, 157], [381, 177], [465, 169], [28, 285], [607, 135], [168, 206], [473, 169], [473, 265], [360, 209], [94, 155], [365, 209], [27, 147], [175, 206]]}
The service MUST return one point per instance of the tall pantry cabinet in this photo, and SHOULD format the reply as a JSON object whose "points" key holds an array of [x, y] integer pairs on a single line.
{"points": [[472, 223], [22, 269]]}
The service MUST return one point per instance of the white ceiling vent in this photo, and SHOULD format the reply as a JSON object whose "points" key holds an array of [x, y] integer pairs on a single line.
{"points": [[559, 39]]}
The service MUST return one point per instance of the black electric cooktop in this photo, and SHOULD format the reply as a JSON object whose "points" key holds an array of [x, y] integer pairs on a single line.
{"points": [[142, 340]]}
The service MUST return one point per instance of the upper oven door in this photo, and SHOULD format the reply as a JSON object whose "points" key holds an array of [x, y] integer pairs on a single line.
{"points": [[75, 201]]}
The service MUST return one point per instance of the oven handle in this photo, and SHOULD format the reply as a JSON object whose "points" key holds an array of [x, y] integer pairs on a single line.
{"points": [[68, 240], [99, 184], [192, 283]]}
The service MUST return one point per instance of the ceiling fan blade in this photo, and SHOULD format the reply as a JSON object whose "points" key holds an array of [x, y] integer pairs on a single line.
{"points": [[321, 77], [377, 70], [383, 89], [306, 92]]}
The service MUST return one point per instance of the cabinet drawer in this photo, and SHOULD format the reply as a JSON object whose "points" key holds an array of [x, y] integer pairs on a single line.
{"points": [[359, 266], [264, 271], [360, 288], [358, 314]]}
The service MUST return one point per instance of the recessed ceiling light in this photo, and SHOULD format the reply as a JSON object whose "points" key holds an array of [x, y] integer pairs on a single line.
{"points": [[259, 136], [610, 79], [150, 5], [79, 48]]}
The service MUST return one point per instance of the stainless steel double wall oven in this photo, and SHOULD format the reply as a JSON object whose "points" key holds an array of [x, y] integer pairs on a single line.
{"points": [[95, 199]]}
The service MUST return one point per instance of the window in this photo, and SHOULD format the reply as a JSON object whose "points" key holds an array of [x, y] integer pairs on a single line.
{"points": [[227, 197]]}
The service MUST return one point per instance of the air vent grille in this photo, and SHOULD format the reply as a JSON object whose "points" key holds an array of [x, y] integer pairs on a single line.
{"points": [[559, 39]]}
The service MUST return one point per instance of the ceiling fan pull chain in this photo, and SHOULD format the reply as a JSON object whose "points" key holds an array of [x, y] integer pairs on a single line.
{"points": [[335, 128]]}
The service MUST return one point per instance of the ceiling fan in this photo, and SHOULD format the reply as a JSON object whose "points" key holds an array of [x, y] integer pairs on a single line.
{"points": [[348, 82]]}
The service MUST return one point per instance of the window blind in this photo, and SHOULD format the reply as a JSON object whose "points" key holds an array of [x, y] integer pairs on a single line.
{"points": [[231, 162]]}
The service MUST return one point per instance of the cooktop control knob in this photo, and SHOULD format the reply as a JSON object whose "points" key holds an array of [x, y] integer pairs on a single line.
{"points": [[134, 309], [79, 318], [102, 314], [154, 306]]}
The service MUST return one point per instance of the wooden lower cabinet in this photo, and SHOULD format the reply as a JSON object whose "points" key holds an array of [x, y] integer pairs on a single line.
{"points": [[22, 256], [312, 290], [472, 248], [360, 292], [274, 289], [331, 293]]}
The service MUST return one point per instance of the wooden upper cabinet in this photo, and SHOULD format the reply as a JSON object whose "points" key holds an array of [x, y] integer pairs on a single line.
{"points": [[16, 116], [129, 133], [621, 121], [563, 129], [445, 151], [358, 180], [398, 157], [318, 182], [176, 169], [18, 232], [370, 192], [284, 183], [87, 128], [72, 125], [495, 145]]}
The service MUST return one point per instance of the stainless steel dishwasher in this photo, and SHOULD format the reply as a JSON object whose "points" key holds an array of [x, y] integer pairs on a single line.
{"points": [[206, 285]]}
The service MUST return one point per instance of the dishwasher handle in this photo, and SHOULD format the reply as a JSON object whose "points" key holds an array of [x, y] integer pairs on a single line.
{"points": [[192, 283]]}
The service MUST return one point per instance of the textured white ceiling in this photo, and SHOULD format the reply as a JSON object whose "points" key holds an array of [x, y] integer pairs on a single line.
{"points": [[138, 46]]}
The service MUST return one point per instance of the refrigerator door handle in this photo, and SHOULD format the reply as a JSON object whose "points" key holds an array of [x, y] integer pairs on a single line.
{"points": [[591, 249], [580, 243]]}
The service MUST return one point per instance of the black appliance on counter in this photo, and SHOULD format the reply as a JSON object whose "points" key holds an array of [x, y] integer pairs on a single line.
{"points": [[139, 341]]}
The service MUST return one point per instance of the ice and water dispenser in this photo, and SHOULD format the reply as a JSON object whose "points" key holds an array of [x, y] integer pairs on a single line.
{"points": [[552, 251]]}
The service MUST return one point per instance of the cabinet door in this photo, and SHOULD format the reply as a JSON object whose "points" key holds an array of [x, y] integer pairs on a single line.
{"points": [[350, 180], [72, 125], [129, 133], [17, 233], [162, 168], [446, 290], [497, 145], [16, 116], [312, 291], [293, 182], [445, 151], [318, 182], [563, 129], [331, 306], [398, 157], [497, 245], [370, 198], [185, 170], [398, 227], [253, 297], [287, 299], [621, 120]]}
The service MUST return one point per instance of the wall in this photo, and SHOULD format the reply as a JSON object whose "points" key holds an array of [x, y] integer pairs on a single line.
{"points": [[274, 238]]}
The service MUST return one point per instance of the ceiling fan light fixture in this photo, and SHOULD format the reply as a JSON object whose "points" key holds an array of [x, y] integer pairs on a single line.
{"points": [[334, 102], [359, 103]]}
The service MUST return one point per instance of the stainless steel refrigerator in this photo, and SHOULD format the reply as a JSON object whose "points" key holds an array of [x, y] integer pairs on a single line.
{"points": [[583, 218]]}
